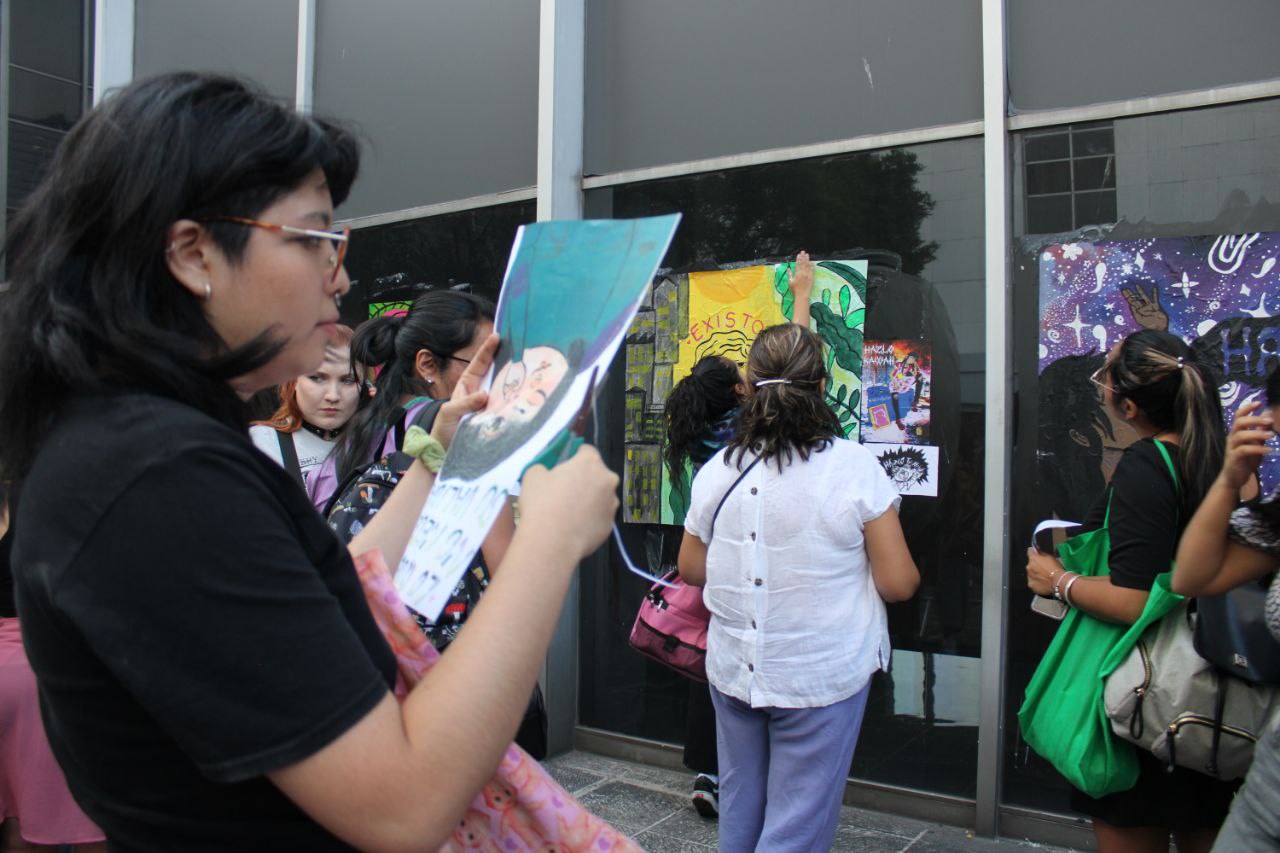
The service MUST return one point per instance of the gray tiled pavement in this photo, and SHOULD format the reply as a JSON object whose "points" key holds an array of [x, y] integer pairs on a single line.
{"points": [[651, 804]]}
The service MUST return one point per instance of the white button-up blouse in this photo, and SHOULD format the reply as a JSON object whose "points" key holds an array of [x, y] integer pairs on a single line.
{"points": [[796, 621]]}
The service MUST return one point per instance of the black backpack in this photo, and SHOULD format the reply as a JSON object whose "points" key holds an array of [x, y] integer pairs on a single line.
{"points": [[363, 492], [358, 499]]}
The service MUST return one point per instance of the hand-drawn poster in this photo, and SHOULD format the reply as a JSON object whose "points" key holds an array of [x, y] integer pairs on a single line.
{"points": [[720, 312], [569, 294], [895, 392], [1221, 294], [913, 468]]}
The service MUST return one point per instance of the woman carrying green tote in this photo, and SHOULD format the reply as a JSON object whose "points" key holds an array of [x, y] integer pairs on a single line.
{"points": [[1150, 382]]}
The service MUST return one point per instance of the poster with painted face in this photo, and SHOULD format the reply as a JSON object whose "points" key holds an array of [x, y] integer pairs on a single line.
{"points": [[1221, 294], [569, 294]]}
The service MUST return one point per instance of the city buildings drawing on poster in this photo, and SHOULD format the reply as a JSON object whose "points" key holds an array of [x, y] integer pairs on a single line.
{"points": [[687, 316]]}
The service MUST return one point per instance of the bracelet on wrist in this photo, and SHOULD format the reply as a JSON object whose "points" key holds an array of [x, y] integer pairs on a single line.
{"points": [[424, 447], [1066, 590], [1057, 582]]}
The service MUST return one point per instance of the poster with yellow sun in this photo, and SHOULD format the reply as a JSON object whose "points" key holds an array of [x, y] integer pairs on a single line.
{"points": [[719, 312]]}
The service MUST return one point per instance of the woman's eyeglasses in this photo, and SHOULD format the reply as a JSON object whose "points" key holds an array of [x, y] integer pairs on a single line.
{"points": [[1097, 379], [338, 239]]}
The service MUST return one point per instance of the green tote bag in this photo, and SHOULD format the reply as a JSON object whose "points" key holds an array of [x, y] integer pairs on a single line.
{"points": [[1063, 717]]}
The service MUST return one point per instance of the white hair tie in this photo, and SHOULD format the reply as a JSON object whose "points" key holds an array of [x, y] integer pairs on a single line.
{"points": [[764, 382]]}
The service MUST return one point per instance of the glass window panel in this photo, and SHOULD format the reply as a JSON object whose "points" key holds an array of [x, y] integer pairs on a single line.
{"points": [[1095, 208], [1093, 51], [49, 36], [43, 100], [654, 68], [396, 262], [1087, 142], [1048, 214], [1171, 184], [1044, 178], [924, 206], [1093, 173], [1047, 146]]}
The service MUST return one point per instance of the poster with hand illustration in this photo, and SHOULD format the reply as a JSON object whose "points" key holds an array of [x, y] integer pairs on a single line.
{"points": [[569, 294], [719, 312], [896, 378], [1219, 293]]}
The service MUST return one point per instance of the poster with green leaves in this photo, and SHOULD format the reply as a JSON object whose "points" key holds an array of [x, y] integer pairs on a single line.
{"points": [[719, 312]]}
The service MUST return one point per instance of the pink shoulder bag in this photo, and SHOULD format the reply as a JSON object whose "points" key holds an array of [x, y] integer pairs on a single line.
{"points": [[671, 626]]}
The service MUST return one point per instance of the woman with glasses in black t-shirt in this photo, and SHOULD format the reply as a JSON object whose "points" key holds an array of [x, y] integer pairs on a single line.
{"points": [[211, 675]]}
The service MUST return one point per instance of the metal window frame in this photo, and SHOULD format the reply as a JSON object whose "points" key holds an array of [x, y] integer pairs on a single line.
{"points": [[114, 25]]}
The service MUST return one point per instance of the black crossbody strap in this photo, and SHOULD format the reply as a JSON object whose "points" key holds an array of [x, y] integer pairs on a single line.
{"points": [[289, 456], [711, 534]]}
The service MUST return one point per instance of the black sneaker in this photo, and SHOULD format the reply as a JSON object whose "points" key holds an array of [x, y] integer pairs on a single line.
{"points": [[706, 796]]}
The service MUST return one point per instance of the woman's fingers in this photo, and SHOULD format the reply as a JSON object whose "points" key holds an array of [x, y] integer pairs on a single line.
{"points": [[574, 502], [478, 369]]}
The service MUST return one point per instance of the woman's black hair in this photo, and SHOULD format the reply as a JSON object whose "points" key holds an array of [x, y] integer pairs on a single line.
{"points": [[695, 404], [90, 303], [1273, 386], [440, 322], [790, 415], [1155, 370]]}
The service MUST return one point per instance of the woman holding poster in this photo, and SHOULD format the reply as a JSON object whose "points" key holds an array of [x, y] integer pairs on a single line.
{"points": [[794, 533], [211, 673]]}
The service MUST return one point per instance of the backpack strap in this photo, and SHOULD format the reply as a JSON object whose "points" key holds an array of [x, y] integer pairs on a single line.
{"points": [[712, 533], [289, 456]]}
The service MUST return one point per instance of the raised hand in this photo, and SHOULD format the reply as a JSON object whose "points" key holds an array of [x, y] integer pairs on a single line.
{"points": [[1246, 445], [1145, 308], [469, 394], [800, 280], [573, 504]]}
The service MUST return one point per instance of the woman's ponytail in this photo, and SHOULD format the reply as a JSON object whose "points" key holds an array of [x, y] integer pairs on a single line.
{"points": [[1156, 371]]}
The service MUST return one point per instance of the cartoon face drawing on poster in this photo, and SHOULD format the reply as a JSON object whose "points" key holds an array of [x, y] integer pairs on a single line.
{"points": [[525, 392]]}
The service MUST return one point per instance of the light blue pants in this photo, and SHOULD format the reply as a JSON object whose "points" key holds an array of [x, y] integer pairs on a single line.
{"points": [[1254, 821], [782, 772]]}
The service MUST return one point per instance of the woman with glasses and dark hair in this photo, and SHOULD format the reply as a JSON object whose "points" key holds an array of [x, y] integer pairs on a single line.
{"points": [[793, 531], [1150, 381], [210, 673]]}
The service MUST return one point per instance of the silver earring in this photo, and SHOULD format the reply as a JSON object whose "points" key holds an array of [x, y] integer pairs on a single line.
{"points": [[173, 247], [430, 381], [208, 290]]}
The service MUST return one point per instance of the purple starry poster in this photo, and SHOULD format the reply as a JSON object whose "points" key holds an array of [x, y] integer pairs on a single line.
{"points": [[1221, 294]]}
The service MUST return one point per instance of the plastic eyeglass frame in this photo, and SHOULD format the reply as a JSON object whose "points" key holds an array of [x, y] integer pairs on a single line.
{"points": [[340, 239], [1093, 377]]}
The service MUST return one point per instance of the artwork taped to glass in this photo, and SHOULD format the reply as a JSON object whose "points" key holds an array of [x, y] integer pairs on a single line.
{"points": [[913, 468], [896, 378], [1220, 293], [394, 309], [569, 294], [719, 312]]}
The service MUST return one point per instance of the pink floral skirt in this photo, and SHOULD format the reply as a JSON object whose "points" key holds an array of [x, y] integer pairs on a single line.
{"points": [[32, 787]]}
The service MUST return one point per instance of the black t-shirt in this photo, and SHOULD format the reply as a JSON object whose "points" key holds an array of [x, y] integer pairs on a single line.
{"points": [[1147, 516], [192, 623]]}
